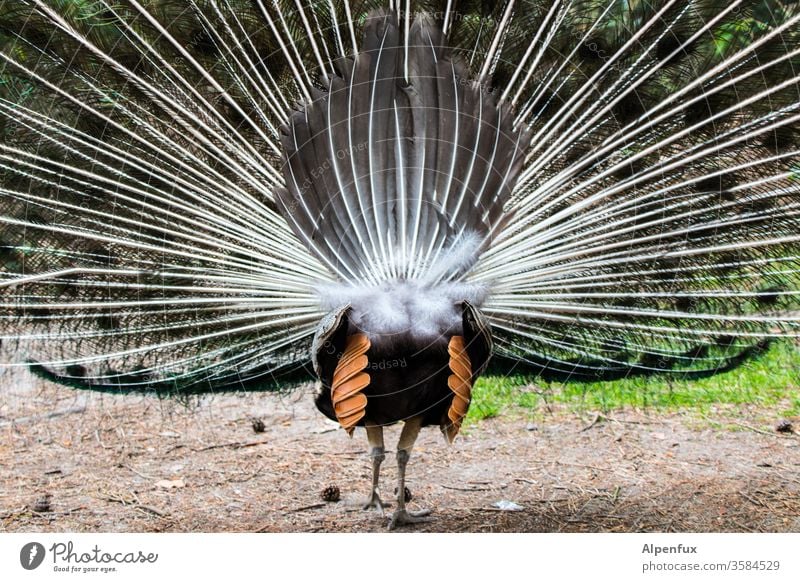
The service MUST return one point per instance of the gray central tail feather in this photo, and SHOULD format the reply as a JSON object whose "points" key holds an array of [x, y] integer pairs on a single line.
{"points": [[386, 175]]}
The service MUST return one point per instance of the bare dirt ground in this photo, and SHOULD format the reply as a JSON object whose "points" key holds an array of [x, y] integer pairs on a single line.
{"points": [[91, 462]]}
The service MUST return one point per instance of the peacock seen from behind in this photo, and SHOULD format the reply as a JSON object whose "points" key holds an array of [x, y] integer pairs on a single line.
{"points": [[394, 197]]}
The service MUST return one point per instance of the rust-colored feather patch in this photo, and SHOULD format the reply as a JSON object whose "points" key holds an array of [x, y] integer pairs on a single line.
{"points": [[349, 379], [460, 382]]}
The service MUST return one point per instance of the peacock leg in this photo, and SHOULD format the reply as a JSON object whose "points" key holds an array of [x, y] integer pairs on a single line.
{"points": [[375, 438], [407, 438]]}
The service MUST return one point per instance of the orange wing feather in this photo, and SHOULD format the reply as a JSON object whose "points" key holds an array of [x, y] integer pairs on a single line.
{"points": [[349, 379], [460, 382]]}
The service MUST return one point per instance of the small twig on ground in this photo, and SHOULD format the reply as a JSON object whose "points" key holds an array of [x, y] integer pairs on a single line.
{"points": [[100, 440], [51, 514], [348, 454], [142, 475], [307, 507], [41, 417], [325, 430], [580, 466], [134, 503], [747, 426], [246, 478], [9, 515], [233, 445], [597, 418], [752, 500], [454, 488], [149, 509]]}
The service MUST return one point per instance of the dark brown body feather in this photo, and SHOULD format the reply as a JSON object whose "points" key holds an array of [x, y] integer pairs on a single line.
{"points": [[406, 383], [407, 378]]}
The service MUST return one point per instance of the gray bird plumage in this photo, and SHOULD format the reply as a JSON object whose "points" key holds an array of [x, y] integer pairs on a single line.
{"points": [[401, 159]]}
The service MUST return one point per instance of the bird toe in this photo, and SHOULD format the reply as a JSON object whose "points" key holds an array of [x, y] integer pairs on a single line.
{"points": [[405, 517]]}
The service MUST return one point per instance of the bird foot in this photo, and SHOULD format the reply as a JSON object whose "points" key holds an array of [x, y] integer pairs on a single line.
{"points": [[374, 502], [405, 517]]}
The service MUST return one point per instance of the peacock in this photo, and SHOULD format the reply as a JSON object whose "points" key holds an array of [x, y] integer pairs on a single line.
{"points": [[392, 198]]}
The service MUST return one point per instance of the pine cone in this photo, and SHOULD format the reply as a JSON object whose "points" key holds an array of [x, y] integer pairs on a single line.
{"points": [[407, 491], [42, 505], [331, 493]]}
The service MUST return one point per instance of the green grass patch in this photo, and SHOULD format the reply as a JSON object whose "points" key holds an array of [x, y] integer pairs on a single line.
{"points": [[770, 381]]}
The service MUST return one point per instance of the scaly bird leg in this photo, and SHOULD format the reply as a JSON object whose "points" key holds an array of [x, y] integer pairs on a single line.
{"points": [[375, 437], [408, 436]]}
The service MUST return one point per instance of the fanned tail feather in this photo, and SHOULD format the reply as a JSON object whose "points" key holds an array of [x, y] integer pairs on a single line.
{"points": [[177, 180], [403, 157]]}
